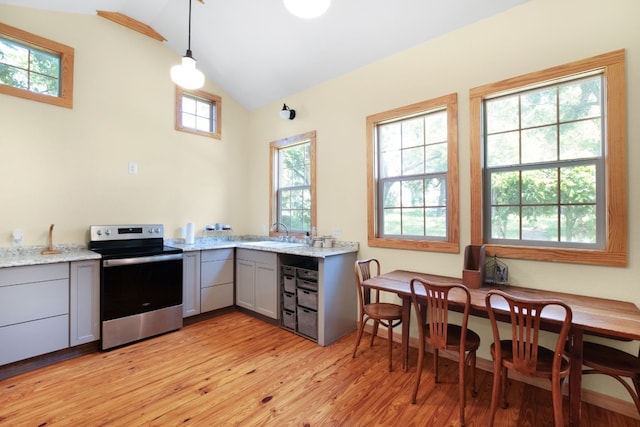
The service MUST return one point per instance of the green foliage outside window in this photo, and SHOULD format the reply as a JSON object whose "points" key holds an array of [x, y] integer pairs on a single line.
{"points": [[294, 194], [413, 176], [544, 154], [28, 68]]}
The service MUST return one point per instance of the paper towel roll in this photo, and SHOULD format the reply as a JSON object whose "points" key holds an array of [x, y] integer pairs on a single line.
{"points": [[190, 234]]}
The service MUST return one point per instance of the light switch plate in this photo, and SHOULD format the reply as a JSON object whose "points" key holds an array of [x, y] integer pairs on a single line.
{"points": [[133, 168]]}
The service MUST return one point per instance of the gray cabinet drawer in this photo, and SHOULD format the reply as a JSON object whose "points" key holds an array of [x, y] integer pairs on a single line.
{"points": [[33, 273], [217, 254], [216, 272], [215, 297], [32, 301], [30, 339]]}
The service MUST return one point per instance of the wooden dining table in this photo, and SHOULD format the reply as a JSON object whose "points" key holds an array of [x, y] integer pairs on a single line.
{"points": [[593, 316]]}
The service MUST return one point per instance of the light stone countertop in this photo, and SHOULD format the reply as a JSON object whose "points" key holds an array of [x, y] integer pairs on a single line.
{"points": [[31, 255], [245, 242]]}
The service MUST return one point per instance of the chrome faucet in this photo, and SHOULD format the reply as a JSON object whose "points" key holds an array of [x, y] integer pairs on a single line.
{"points": [[286, 229]]}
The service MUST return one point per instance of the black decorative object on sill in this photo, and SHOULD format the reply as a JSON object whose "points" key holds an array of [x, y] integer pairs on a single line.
{"points": [[497, 272]]}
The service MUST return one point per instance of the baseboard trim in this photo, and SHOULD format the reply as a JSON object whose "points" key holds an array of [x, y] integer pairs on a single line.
{"points": [[594, 398]]}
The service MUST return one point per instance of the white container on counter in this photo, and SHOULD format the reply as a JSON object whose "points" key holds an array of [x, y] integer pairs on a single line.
{"points": [[190, 234]]}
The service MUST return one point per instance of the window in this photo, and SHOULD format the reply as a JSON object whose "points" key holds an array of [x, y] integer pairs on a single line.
{"points": [[198, 112], [548, 176], [293, 186], [35, 68], [413, 176]]}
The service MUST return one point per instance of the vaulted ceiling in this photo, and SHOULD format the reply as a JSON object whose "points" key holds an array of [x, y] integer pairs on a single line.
{"points": [[259, 53]]}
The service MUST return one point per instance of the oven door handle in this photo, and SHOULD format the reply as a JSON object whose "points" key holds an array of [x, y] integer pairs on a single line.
{"points": [[140, 260]]}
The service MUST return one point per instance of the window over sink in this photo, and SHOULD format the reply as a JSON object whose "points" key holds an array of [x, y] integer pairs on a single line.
{"points": [[293, 183]]}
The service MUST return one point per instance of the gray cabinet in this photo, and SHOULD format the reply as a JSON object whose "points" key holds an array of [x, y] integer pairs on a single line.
{"points": [[216, 279], [34, 310], [319, 297], [84, 310], [257, 282], [190, 283], [207, 280]]}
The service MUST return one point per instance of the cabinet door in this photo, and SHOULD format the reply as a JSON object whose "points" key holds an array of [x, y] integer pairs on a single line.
{"points": [[84, 312], [266, 290], [245, 284], [190, 283]]}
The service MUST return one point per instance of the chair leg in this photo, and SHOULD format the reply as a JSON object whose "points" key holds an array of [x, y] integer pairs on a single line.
{"points": [[360, 331], [435, 365], [495, 391], [418, 372], [505, 385], [636, 398], [471, 362], [556, 395], [374, 332], [462, 364], [390, 337]]}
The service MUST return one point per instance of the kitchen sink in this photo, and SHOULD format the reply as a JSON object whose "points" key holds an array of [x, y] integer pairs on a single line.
{"points": [[273, 244]]}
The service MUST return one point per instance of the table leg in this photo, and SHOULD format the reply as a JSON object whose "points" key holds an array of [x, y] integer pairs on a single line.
{"points": [[406, 317], [575, 378]]}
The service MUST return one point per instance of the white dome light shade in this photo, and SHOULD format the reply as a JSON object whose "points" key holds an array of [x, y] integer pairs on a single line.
{"points": [[186, 75], [307, 9]]}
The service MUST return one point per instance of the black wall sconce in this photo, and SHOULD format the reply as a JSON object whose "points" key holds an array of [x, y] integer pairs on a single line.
{"points": [[287, 113]]}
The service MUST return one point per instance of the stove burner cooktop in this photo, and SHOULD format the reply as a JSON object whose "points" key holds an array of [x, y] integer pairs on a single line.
{"points": [[130, 240]]}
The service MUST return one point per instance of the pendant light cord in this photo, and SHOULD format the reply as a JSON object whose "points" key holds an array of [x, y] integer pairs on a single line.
{"points": [[189, 40]]}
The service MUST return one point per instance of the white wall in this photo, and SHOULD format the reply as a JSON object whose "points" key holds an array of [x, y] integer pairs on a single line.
{"points": [[69, 166], [534, 36]]}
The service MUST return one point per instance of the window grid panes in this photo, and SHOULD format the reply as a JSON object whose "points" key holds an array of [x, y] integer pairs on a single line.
{"points": [[412, 176], [294, 187], [198, 113], [544, 165], [29, 68]]}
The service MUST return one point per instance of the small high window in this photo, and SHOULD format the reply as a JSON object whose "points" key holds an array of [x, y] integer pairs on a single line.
{"points": [[35, 68], [198, 112]]}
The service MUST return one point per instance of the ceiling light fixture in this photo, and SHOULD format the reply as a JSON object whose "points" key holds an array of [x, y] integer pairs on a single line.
{"points": [[307, 9], [286, 113], [186, 74]]}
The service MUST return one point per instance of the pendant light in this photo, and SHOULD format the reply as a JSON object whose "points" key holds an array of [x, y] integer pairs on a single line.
{"points": [[307, 9], [186, 74]]}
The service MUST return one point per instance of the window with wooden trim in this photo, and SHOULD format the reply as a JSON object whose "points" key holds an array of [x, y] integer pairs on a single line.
{"points": [[412, 162], [548, 171], [35, 68], [293, 184], [198, 112]]}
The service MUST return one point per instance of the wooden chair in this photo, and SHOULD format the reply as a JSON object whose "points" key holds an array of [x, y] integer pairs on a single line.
{"points": [[522, 352], [618, 364], [387, 314], [434, 328]]}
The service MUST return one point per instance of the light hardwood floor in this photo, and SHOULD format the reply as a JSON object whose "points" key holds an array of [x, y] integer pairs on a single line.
{"points": [[234, 370]]}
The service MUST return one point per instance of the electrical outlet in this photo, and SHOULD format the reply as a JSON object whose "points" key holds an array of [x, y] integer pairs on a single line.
{"points": [[337, 233], [133, 168], [16, 238]]}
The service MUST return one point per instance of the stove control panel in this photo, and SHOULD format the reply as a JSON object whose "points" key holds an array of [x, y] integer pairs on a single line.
{"points": [[126, 232]]}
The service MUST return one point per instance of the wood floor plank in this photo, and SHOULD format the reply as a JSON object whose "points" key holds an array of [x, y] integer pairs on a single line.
{"points": [[237, 370]]}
